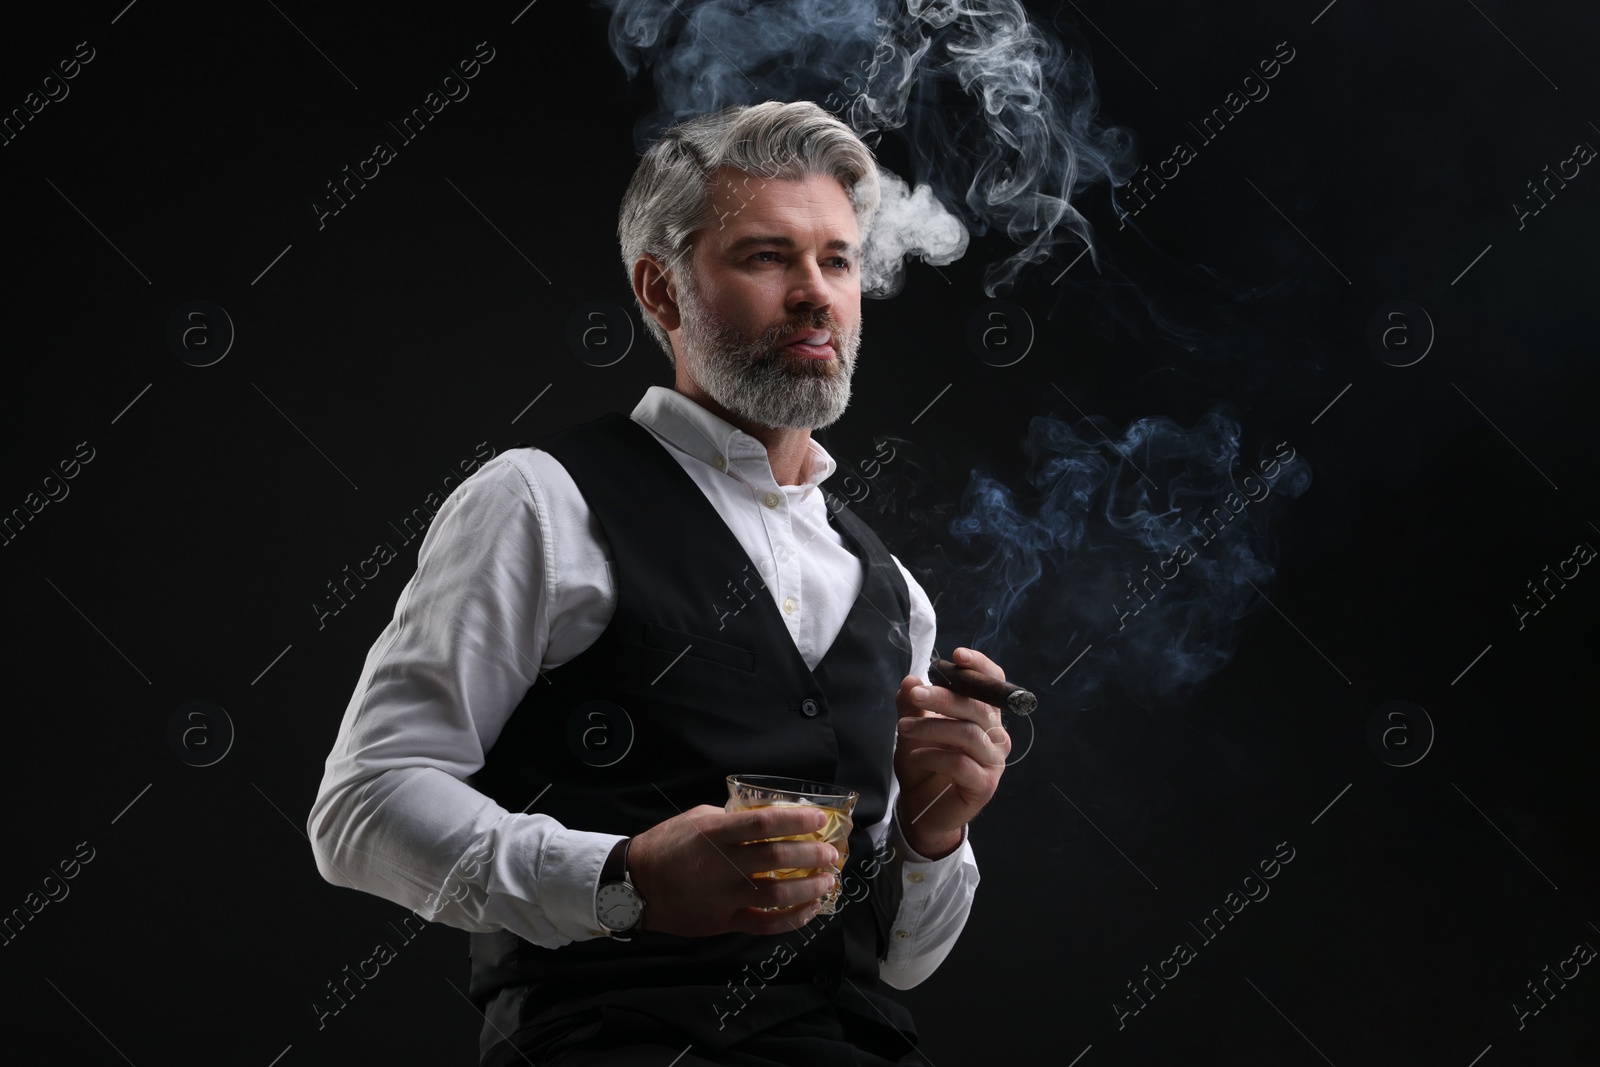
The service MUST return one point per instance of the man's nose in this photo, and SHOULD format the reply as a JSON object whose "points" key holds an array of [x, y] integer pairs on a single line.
{"points": [[808, 288]]}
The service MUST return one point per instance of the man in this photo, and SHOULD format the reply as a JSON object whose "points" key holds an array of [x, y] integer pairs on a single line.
{"points": [[537, 748]]}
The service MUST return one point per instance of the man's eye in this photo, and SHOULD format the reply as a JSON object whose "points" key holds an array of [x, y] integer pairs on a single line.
{"points": [[760, 254], [845, 263]]}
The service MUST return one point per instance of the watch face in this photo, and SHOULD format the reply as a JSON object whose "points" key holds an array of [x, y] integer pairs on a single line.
{"points": [[618, 906]]}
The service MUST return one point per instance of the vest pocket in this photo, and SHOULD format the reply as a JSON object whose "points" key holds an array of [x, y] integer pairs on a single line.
{"points": [[668, 639]]}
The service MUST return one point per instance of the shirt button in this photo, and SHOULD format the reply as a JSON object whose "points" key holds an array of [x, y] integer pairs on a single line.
{"points": [[914, 876], [788, 605], [901, 934], [720, 462], [772, 500]]}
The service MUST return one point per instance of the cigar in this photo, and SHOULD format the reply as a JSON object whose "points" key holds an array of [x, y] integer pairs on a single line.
{"points": [[970, 683]]}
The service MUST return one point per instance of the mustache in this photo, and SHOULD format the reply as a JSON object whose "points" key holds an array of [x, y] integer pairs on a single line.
{"points": [[820, 320]]}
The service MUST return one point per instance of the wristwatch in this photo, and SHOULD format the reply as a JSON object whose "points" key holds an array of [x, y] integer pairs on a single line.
{"points": [[617, 904]]}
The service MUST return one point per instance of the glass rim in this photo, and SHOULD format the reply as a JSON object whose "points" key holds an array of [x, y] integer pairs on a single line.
{"points": [[777, 783]]}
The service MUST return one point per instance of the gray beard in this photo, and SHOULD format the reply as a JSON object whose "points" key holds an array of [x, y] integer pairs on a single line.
{"points": [[755, 380]]}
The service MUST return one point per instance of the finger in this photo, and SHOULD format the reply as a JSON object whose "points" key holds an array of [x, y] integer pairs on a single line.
{"points": [[787, 892], [787, 856], [971, 657], [969, 777], [773, 820], [755, 921], [949, 704], [985, 745]]}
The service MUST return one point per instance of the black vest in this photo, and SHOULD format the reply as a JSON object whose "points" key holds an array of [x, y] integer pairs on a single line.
{"points": [[679, 691]]}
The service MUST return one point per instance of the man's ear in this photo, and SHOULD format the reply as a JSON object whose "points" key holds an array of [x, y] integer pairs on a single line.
{"points": [[657, 293]]}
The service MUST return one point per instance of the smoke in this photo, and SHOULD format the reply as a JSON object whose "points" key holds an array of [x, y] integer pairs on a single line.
{"points": [[1141, 551], [998, 119], [1130, 559]]}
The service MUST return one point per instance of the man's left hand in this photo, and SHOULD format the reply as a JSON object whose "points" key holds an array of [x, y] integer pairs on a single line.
{"points": [[951, 753]]}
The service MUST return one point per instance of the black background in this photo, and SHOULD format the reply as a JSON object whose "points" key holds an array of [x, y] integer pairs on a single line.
{"points": [[182, 565]]}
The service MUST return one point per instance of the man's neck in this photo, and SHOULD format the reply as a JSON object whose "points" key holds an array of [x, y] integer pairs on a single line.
{"points": [[788, 448]]}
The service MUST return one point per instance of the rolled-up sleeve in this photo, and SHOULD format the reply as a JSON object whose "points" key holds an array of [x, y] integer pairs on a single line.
{"points": [[393, 815]]}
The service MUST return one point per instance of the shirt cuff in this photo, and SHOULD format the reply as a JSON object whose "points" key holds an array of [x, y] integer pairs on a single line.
{"points": [[569, 878], [922, 874]]}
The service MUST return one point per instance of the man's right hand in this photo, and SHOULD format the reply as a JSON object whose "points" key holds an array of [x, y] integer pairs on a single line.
{"points": [[696, 871]]}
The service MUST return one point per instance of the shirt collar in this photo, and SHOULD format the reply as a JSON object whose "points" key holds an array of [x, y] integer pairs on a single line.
{"points": [[690, 428]]}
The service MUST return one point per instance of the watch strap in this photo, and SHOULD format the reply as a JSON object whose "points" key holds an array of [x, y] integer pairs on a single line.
{"points": [[616, 865], [614, 871]]}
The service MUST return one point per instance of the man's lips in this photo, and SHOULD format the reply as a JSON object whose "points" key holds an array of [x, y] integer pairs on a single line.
{"points": [[811, 351], [811, 344]]}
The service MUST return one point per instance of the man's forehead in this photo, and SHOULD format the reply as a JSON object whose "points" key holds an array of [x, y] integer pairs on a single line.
{"points": [[751, 204]]}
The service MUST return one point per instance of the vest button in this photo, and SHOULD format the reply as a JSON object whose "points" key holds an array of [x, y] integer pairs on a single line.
{"points": [[822, 981], [808, 706]]}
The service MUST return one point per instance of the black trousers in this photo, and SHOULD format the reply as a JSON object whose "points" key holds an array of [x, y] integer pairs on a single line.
{"points": [[615, 1037]]}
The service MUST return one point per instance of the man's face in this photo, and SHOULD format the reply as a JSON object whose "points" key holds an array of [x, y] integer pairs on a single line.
{"points": [[780, 266]]}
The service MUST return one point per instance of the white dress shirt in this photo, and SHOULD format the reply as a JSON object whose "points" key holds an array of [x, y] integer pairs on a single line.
{"points": [[514, 576]]}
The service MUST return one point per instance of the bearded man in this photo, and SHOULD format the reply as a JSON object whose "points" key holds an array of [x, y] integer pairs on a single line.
{"points": [[539, 745]]}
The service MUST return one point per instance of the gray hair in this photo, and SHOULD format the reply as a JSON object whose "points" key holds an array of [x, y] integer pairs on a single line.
{"points": [[669, 198]]}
